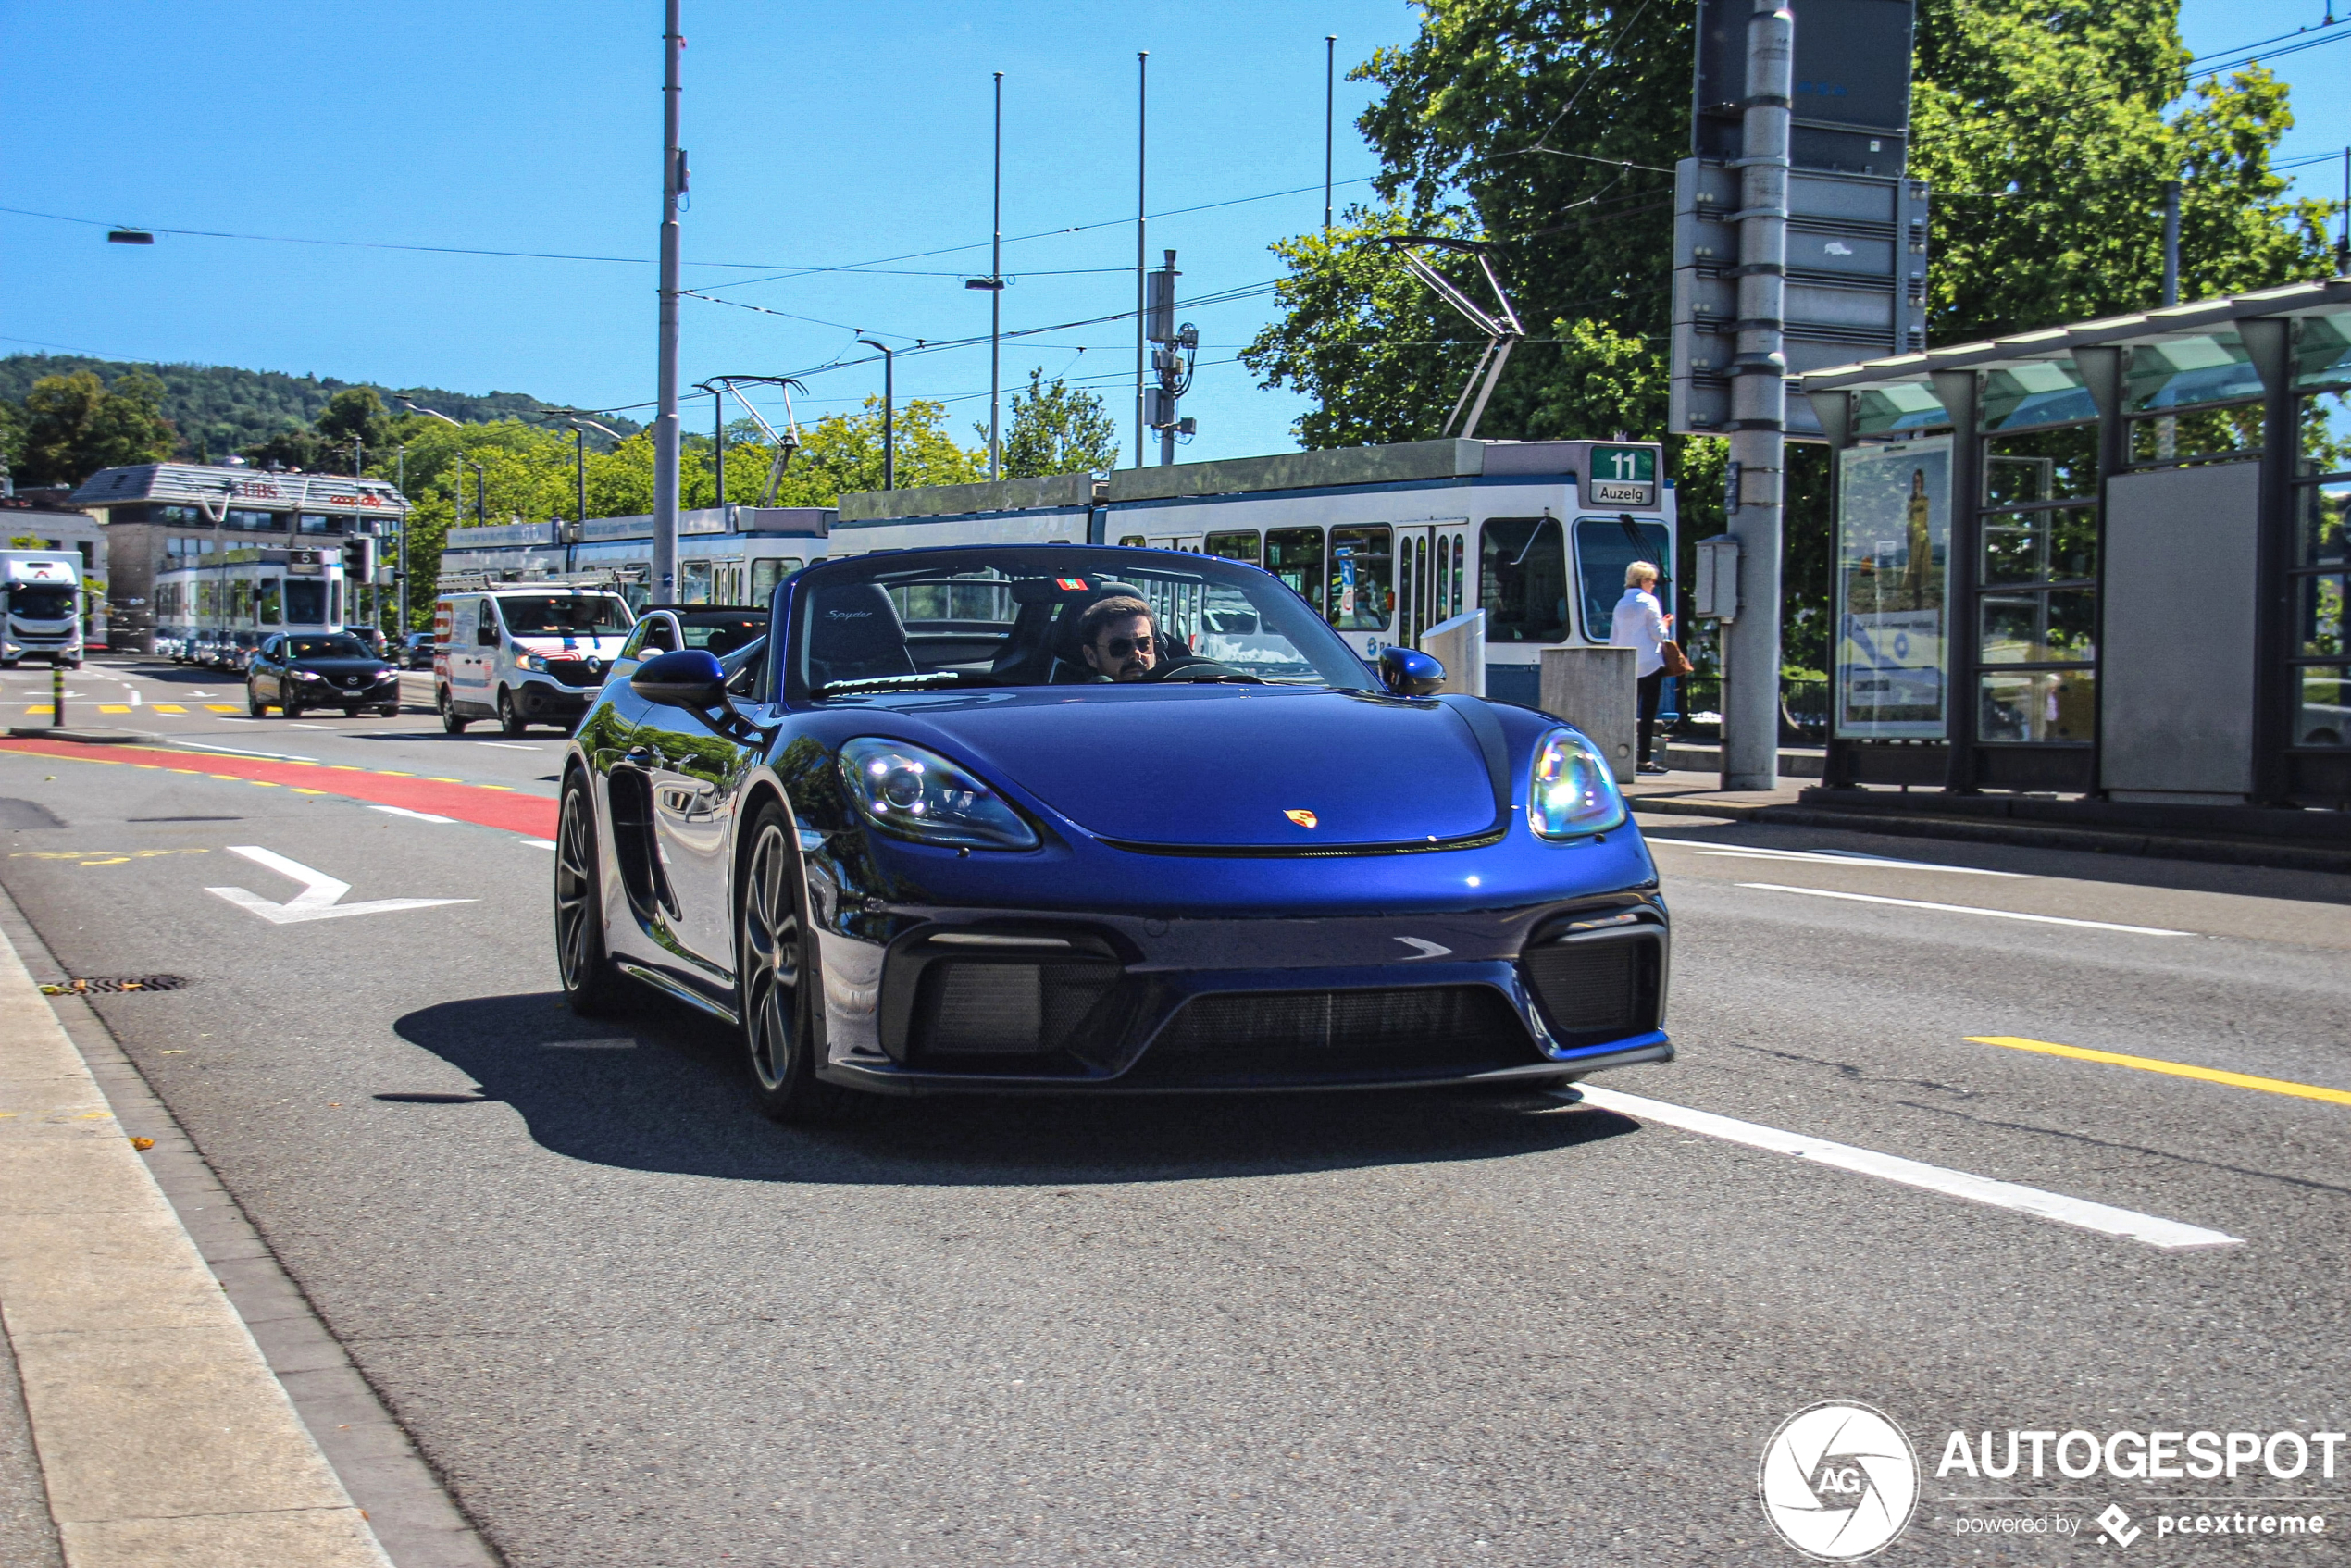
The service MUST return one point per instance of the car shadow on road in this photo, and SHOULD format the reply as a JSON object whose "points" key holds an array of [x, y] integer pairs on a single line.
{"points": [[664, 1091]]}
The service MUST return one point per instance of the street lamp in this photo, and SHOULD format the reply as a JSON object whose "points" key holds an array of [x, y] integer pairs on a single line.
{"points": [[890, 400], [579, 425]]}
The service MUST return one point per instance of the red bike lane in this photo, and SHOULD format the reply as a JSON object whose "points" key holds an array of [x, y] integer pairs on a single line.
{"points": [[487, 805]]}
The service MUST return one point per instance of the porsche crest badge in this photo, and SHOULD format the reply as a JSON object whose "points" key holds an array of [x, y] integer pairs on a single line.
{"points": [[1303, 818]]}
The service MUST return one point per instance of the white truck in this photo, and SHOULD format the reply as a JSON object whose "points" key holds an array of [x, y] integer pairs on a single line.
{"points": [[523, 654], [44, 611]]}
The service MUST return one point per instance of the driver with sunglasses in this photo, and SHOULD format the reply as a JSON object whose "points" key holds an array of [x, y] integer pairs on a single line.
{"points": [[1120, 641]]}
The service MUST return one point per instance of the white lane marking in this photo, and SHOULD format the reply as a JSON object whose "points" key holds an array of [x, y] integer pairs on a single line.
{"points": [[541, 843], [241, 752], [317, 899], [2169, 1235], [1830, 857], [510, 745], [1970, 909], [300, 724], [404, 811]]}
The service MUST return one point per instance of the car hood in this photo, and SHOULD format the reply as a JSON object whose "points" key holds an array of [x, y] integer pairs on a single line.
{"points": [[335, 668], [1227, 766]]}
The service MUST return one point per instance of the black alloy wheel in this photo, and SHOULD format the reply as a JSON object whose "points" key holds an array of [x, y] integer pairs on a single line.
{"points": [[290, 704], [591, 984], [450, 720], [777, 981], [510, 720]]}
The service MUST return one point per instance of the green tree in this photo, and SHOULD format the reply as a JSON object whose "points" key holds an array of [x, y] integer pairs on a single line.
{"points": [[1551, 129], [1056, 429], [73, 426]]}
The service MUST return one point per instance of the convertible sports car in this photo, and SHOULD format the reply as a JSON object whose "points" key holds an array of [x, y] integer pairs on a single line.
{"points": [[917, 839]]}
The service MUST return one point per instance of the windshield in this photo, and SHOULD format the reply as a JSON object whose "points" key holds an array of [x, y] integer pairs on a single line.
{"points": [[326, 648], [1604, 547], [1012, 615], [582, 614], [40, 602]]}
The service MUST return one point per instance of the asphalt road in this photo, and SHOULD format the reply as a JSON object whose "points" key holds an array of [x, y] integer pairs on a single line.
{"points": [[632, 1323]]}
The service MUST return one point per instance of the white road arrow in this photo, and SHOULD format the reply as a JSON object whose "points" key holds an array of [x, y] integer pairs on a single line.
{"points": [[317, 899]]}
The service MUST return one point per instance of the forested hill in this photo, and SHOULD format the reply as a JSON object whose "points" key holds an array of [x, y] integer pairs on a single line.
{"points": [[217, 408]]}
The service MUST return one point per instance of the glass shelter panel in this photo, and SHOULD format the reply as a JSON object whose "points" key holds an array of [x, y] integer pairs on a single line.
{"points": [[2048, 391]]}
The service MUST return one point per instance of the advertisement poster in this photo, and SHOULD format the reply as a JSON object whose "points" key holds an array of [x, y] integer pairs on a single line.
{"points": [[1893, 549]]}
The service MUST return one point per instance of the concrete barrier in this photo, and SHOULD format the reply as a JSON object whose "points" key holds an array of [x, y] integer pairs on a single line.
{"points": [[1594, 690], [1459, 646]]}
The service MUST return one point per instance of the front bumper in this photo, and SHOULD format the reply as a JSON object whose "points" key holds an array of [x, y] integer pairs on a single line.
{"points": [[544, 699], [974, 1001]]}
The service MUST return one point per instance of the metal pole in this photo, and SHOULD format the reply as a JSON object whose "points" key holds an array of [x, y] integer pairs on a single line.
{"points": [[889, 402], [2343, 246], [1758, 406], [56, 695], [1330, 119], [1142, 124], [2171, 243], [579, 470], [400, 574], [996, 294], [718, 438], [666, 430]]}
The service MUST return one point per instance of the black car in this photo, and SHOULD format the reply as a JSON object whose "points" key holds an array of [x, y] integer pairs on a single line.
{"points": [[416, 650], [329, 670]]}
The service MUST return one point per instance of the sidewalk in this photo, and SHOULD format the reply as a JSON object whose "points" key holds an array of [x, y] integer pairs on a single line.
{"points": [[148, 1418], [1700, 794]]}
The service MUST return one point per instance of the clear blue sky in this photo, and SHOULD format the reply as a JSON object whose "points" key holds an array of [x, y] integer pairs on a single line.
{"points": [[820, 136]]}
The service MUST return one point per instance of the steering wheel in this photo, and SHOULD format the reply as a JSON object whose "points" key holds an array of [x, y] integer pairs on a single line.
{"points": [[1202, 669]]}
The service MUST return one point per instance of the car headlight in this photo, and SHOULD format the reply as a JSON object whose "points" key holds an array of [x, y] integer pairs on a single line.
{"points": [[532, 661], [1574, 792], [307, 674], [386, 674], [920, 794]]}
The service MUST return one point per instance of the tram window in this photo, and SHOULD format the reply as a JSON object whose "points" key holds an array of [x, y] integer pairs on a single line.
{"points": [[1362, 579], [764, 575], [267, 603], [306, 602], [1522, 580], [1133, 540], [1296, 556], [1239, 545], [1604, 547]]}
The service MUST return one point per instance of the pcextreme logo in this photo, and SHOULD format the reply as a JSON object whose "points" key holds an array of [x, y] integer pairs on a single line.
{"points": [[1839, 1481]]}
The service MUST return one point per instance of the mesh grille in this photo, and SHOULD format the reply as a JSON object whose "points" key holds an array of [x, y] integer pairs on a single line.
{"points": [[1338, 1036], [1595, 990], [999, 1009]]}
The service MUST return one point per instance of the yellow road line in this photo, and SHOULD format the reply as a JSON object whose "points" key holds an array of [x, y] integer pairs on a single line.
{"points": [[170, 708], [114, 708], [2176, 1069], [39, 708], [222, 707]]}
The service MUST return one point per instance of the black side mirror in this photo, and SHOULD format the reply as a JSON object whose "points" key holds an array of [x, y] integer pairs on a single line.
{"points": [[487, 636], [1408, 672], [689, 678]]}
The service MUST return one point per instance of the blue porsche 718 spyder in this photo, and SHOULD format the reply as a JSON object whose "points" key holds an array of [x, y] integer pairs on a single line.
{"points": [[1089, 819]]}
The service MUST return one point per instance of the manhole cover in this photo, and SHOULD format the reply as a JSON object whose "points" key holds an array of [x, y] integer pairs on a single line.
{"points": [[90, 985]]}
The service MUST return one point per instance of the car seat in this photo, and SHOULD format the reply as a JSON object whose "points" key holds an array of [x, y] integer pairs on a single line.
{"points": [[1069, 665], [854, 634]]}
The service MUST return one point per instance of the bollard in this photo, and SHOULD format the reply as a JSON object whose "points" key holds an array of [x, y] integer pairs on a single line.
{"points": [[57, 696]]}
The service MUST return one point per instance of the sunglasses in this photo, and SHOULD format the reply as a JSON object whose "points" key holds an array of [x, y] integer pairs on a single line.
{"points": [[1119, 647]]}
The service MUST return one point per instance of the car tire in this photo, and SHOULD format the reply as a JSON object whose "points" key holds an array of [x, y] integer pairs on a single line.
{"points": [[390, 710], [510, 722], [255, 705], [776, 980], [450, 720], [290, 706], [591, 984], [7, 663]]}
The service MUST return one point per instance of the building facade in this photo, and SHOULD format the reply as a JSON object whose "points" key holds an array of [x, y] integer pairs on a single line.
{"points": [[160, 514]]}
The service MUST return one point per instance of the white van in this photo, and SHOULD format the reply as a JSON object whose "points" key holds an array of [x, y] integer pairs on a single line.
{"points": [[43, 617], [523, 654]]}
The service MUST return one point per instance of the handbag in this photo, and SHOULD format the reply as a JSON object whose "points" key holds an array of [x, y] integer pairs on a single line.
{"points": [[1677, 663]]}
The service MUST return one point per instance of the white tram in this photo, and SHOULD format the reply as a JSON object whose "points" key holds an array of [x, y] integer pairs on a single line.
{"points": [[725, 555], [1385, 542], [218, 608]]}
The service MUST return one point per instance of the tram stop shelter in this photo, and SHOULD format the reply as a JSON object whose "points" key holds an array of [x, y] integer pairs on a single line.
{"points": [[2096, 572]]}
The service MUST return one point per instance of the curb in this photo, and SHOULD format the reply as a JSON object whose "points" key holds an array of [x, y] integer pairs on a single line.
{"points": [[87, 737], [2221, 852], [163, 1437]]}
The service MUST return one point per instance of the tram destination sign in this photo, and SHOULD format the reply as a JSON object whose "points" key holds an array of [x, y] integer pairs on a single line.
{"points": [[1620, 476]]}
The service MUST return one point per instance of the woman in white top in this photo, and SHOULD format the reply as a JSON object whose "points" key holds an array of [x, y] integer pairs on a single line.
{"points": [[1641, 623]]}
